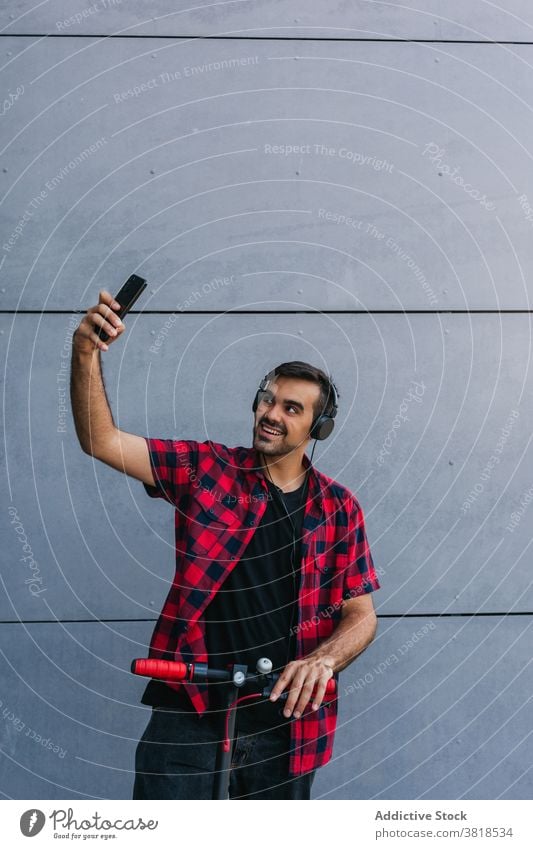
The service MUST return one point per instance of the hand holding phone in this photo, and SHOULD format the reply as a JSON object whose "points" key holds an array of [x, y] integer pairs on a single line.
{"points": [[103, 321], [126, 298]]}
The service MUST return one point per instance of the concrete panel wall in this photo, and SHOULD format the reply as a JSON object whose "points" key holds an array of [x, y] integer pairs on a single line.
{"points": [[424, 19], [439, 520], [436, 708], [317, 176], [359, 204]]}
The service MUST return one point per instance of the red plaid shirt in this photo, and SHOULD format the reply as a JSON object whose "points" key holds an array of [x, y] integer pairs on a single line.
{"points": [[219, 495]]}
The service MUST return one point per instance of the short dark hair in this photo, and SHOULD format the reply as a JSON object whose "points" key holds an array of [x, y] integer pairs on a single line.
{"points": [[305, 371]]}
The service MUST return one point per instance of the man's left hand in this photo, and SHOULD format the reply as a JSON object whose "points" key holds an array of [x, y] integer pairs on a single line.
{"points": [[303, 676]]}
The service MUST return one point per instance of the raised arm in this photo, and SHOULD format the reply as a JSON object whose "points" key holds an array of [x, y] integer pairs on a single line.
{"points": [[95, 428]]}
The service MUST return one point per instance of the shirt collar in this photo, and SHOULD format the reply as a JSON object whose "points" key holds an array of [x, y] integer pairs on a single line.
{"points": [[252, 461]]}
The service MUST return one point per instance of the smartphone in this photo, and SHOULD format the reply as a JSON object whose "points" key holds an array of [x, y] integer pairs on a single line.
{"points": [[127, 296]]}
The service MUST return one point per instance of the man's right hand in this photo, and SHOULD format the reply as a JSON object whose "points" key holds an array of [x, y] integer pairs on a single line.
{"points": [[85, 338]]}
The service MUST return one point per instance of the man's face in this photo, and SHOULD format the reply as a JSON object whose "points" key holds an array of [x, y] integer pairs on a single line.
{"points": [[286, 406]]}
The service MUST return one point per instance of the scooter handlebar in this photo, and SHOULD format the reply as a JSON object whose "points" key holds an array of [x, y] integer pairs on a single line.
{"points": [[175, 670]]}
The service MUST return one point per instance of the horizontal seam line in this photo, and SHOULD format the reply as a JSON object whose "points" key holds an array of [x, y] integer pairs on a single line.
{"points": [[263, 38], [288, 312], [380, 616]]}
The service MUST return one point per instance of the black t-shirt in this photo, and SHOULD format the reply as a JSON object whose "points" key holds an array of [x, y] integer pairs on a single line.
{"points": [[252, 614]]}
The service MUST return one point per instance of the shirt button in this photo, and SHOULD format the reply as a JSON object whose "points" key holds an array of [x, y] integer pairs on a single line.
{"points": [[232, 557]]}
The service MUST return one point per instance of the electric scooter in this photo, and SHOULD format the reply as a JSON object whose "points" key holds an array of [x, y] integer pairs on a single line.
{"points": [[237, 677]]}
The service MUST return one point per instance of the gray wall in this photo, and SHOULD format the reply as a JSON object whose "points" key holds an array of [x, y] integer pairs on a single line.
{"points": [[425, 148]]}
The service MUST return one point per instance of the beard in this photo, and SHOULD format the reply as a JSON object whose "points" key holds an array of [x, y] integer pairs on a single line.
{"points": [[276, 446]]}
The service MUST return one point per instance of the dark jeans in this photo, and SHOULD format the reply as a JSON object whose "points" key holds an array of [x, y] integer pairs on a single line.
{"points": [[175, 759]]}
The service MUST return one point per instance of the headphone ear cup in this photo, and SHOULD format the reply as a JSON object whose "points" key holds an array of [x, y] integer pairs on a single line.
{"points": [[322, 427], [255, 402]]}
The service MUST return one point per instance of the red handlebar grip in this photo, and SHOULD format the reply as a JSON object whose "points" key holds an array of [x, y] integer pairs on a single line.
{"points": [[170, 670]]}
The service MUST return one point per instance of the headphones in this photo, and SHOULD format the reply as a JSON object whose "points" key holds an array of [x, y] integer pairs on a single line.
{"points": [[323, 424]]}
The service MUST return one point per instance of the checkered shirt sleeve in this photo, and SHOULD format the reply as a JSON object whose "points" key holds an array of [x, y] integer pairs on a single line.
{"points": [[360, 575], [174, 466]]}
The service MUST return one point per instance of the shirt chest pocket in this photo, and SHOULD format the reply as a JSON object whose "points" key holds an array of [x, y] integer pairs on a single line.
{"points": [[211, 524], [328, 575], [323, 570], [328, 589]]}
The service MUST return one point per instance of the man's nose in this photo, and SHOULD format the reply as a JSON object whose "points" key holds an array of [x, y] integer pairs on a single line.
{"points": [[271, 416], [274, 422]]}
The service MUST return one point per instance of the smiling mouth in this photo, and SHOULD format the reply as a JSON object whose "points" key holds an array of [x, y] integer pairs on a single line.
{"points": [[269, 431]]}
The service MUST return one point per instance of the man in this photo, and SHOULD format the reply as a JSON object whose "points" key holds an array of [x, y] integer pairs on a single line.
{"points": [[272, 561]]}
